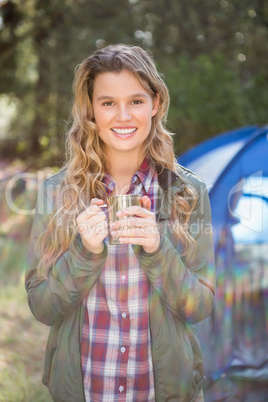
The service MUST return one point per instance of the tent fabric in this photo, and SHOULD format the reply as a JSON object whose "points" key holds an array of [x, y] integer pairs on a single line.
{"points": [[250, 158], [251, 212], [234, 338]]}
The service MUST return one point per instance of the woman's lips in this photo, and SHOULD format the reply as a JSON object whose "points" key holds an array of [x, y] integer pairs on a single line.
{"points": [[125, 132]]}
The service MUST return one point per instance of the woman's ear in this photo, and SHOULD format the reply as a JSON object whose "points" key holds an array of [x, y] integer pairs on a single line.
{"points": [[156, 101]]}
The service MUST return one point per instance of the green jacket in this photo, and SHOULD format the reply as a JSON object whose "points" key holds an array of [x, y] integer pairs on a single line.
{"points": [[179, 296]]}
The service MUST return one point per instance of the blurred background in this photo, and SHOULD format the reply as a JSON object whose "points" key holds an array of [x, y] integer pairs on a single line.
{"points": [[213, 55]]}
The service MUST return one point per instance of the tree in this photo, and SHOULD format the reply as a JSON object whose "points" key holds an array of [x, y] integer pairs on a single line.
{"points": [[212, 53]]}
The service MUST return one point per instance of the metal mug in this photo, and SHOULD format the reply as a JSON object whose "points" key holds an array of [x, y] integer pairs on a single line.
{"points": [[115, 204]]}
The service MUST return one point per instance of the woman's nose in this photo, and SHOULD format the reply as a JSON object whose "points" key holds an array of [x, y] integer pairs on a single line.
{"points": [[123, 114]]}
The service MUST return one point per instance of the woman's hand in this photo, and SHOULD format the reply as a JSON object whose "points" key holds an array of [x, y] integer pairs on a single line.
{"points": [[92, 226], [140, 229]]}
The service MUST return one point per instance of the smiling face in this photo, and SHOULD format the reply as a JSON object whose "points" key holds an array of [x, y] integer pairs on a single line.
{"points": [[123, 112]]}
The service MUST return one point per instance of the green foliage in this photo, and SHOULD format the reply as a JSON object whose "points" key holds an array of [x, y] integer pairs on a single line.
{"points": [[22, 338], [23, 342], [24, 388], [213, 54], [205, 98]]}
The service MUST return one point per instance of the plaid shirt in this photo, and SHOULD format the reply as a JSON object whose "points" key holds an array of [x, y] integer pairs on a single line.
{"points": [[115, 343]]}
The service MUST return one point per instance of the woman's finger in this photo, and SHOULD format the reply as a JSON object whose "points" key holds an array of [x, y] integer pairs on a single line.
{"points": [[93, 209], [96, 201], [81, 227], [149, 245], [99, 217], [132, 221], [135, 210], [140, 241], [100, 229], [89, 212], [89, 226], [144, 232], [146, 202]]}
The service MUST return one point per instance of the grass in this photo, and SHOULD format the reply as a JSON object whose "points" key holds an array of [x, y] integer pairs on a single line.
{"points": [[22, 337], [22, 348]]}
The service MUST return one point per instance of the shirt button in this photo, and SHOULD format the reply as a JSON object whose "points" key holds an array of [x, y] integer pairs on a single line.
{"points": [[121, 388], [123, 349], [124, 315]]}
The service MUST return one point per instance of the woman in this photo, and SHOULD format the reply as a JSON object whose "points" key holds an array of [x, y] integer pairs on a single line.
{"points": [[121, 315]]}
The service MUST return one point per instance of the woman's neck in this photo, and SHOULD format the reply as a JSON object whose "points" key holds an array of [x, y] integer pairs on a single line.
{"points": [[122, 169]]}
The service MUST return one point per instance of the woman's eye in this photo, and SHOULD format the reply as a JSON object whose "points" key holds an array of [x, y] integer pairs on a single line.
{"points": [[108, 103], [137, 102]]}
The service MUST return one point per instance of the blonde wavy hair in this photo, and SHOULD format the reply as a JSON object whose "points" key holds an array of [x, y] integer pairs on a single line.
{"points": [[86, 161]]}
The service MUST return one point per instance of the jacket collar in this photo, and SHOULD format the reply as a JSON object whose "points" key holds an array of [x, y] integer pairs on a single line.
{"points": [[170, 183], [166, 177]]}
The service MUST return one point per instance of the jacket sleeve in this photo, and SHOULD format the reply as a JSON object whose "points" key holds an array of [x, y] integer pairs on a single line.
{"points": [[52, 297], [186, 290]]}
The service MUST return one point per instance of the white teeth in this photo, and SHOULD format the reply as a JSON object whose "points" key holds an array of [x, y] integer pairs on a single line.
{"points": [[124, 131]]}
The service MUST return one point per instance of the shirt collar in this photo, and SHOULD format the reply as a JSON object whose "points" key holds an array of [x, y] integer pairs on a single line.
{"points": [[109, 182], [146, 173], [143, 175]]}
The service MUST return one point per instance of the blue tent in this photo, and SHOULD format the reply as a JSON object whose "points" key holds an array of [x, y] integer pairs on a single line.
{"points": [[234, 339]]}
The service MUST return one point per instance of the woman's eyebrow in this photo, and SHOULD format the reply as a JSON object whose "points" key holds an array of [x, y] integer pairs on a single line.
{"points": [[137, 95], [104, 97]]}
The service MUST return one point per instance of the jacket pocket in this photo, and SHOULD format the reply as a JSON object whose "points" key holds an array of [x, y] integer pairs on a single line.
{"points": [[50, 352], [198, 365]]}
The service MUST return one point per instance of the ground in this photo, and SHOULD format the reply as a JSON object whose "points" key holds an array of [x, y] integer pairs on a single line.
{"points": [[22, 337]]}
